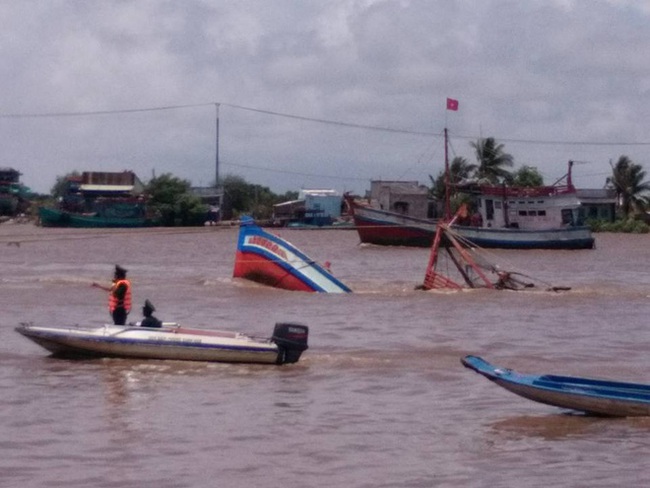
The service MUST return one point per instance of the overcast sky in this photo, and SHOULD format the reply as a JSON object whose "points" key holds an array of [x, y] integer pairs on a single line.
{"points": [[114, 85]]}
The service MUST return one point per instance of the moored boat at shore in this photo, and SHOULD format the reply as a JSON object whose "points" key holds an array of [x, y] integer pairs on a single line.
{"points": [[504, 217], [53, 217], [99, 199], [385, 228], [171, 341]]}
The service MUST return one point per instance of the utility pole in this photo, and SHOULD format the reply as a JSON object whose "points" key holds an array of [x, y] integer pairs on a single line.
{"points": [[216, 160]]}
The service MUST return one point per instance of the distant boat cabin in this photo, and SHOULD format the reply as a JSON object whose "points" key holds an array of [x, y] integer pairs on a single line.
{"points": [[13, 194], [402, 197], [598, 204], [313, 207], [104, 192]]}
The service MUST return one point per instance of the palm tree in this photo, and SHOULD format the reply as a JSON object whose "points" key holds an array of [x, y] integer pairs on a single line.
{"points": [[459, 170], [627, 179], [492, 161]]}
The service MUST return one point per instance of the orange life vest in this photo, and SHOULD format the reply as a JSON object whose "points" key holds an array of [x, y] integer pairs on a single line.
{"points": [[114, 302]]}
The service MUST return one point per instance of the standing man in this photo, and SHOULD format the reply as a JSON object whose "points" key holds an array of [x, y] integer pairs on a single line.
{"points": [[119, 296]]}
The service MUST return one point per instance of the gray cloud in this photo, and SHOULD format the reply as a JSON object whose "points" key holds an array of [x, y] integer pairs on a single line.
{"points": [[523, 72]]}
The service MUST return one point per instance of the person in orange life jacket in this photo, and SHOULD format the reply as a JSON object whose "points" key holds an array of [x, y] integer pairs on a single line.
{"points": [[119, 296], [149, 320]]}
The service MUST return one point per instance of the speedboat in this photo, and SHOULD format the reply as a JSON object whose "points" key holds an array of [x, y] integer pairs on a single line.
{"points": [[171, 341]]}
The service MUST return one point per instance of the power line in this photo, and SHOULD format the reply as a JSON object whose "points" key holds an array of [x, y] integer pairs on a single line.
{"points": [[334, 122], [559, 143], [44, 115], [307, 119], [295, 172]]}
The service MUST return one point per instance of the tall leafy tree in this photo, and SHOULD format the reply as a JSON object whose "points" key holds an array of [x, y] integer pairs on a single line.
{"points": [[527, 176], [243, 197], [237, 192], [61, 185], [170, 196], [492, 161], [628, 181]]}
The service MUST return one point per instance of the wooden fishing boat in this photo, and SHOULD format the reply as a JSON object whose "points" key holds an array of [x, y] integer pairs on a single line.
{"points": [[385, 228], [268, 259], [99, 199], [545, 217], [593, 396], [53, 217], [171, 341]]}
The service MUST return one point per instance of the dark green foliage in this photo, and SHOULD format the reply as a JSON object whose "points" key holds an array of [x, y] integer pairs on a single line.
{"points": [[257, 201], [166, 188], [627, 179], [492, 161], [527, 176], [170, 198], [631, 226], [459, 170], [60, 186]]}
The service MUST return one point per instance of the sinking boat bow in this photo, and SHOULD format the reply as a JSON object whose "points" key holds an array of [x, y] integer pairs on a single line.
{"points": [[268, 259]]}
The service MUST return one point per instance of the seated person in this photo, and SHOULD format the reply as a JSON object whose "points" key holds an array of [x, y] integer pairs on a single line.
{"points": [[149, 320]]}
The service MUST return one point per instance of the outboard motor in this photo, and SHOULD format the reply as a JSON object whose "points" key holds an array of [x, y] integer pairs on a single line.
{"points": [[291, 340]]}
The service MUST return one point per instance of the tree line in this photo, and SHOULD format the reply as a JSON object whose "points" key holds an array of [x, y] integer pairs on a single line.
{"points": [[172, 198], [493, 165]]}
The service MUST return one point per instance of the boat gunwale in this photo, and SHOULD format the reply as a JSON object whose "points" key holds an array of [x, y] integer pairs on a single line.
{"points": [[263, 345], [622, 398]]}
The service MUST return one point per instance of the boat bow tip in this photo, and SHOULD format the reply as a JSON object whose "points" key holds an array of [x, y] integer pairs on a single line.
{"points": [[482, 367], [472, 362]]}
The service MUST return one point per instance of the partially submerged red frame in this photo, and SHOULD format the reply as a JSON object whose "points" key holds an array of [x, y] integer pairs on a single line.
{"points": [[446, 241]]}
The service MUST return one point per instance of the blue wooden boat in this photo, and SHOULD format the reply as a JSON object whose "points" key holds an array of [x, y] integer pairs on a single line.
{"points": [[592, 396]]}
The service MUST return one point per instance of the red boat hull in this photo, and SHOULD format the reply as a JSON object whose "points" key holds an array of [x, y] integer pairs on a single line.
{"points": [[255, 268]]}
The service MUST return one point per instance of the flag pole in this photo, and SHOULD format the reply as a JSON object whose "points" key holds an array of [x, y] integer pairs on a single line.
{"points": [[452, 104]]}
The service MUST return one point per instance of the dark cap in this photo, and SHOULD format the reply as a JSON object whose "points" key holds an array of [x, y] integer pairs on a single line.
{"points": [[119, 270], [149, 306]]}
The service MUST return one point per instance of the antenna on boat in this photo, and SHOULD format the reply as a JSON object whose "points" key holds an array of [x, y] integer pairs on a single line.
{"points": [[569, 181]]}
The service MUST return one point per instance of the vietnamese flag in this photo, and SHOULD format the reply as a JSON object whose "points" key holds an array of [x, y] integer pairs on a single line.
{"points": [[452, 104]]}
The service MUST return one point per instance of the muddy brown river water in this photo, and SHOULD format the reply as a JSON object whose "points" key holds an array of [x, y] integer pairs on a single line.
{"points": [[380, 399]]}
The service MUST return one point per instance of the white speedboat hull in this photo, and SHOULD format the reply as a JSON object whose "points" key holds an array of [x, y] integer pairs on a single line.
{"points": [[171, 342]]}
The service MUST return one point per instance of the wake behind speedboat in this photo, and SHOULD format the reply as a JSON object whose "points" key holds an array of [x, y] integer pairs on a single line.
{"points": [[171, 341]]}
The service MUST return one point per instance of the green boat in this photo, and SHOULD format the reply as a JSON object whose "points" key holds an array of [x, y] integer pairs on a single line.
{"points": [[115, 214]]}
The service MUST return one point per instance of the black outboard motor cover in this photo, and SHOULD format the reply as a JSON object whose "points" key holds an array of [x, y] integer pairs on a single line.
{"points": [[291, 340]]}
